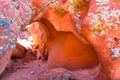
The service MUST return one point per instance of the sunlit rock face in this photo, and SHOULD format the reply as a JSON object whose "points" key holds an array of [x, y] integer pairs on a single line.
{"points": [[101, 28], [11, 19]]}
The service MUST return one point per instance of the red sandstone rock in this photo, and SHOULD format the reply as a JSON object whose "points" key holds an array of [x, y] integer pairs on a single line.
{"points": [[4, 60], [19, 51], [101, 28], [68, 52], [62, 52], [40, 37], [67, 25], [64, 48], [36, 3], [11, 19]]}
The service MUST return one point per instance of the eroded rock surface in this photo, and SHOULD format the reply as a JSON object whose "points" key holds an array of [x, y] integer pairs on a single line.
{"points": [[101, 28], [11, 19]]}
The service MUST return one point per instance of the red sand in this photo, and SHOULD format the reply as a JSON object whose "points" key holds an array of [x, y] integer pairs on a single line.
{"points": [[37, 70]]}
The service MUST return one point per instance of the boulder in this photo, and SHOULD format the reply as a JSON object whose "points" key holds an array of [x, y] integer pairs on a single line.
{"points": [[10, 22], [101, 28], [19, 51]]}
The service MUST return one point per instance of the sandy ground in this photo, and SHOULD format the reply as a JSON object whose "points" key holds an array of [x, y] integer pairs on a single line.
{"points": [[24, 70], [36, 70]]}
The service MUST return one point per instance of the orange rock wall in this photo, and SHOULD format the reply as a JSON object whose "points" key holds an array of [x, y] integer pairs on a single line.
{"points": [[65, 49], [101, 27]]}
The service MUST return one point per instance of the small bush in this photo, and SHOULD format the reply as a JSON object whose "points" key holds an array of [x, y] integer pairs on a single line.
{"points": [[79, 5], [60, 10]]}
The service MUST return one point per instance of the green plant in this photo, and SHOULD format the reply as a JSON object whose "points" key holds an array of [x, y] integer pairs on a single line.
{"points": [[79, 5], [60, 10]]}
